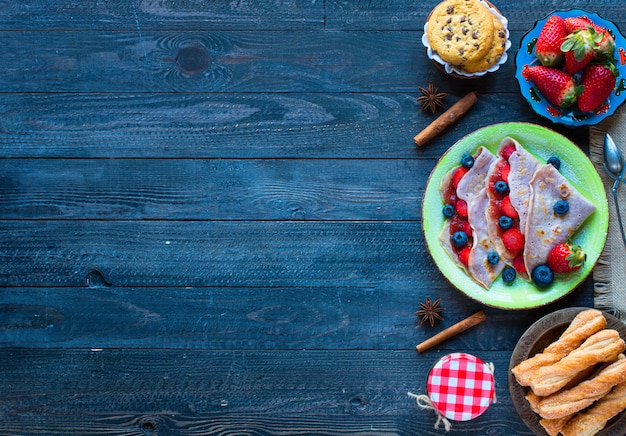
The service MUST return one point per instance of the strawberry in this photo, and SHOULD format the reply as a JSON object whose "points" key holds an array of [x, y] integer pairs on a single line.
{"points": [[606, 45], [558, 87], [507, 151], [458, 175], [505, 170], [513, 240], [576, 23], [507, 208], [565, 258], [599, 82], [579, 48], [518, 264], [464, 255], [548, 47], [461, 207]]}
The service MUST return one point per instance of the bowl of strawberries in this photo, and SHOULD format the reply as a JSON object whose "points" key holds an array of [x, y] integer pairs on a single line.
{"points": [[571, 68]]}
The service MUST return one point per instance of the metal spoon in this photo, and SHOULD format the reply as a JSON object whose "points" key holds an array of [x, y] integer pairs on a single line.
{"points": [[614, 167]]}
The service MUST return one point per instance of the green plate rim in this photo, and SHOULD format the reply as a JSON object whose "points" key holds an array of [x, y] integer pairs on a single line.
{"points": [[577, 168]]}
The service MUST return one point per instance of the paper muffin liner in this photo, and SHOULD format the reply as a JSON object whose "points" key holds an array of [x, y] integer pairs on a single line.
{"points": [[455, 70]]}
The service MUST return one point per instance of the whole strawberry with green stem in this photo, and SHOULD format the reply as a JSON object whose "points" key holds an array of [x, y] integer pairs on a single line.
{"points": [[558, 87], [605, 48], [566, 258], [580, 47], [548, 47], [598, 82]]}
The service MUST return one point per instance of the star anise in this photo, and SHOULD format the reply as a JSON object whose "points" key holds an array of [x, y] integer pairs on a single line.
{"points": [[430, 311], [431, 98]]}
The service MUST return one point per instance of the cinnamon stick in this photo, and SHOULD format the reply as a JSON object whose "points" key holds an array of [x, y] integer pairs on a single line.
{"points": [[451, 331], [446, 119]]}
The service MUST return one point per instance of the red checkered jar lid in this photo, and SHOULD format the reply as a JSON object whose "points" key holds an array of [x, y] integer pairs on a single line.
{"points": [[461, 386]]}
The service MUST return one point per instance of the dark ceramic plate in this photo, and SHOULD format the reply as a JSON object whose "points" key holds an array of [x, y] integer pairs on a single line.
{"points": [[571, 117], [541, 334]]}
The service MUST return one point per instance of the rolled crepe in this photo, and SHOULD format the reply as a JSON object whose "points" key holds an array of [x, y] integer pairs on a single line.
{"points": [[522, 168], [544, 228], [471, 189]]}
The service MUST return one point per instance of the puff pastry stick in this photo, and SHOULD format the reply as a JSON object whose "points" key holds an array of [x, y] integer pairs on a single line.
{"points": [[591, 421], [577, 398], [585, 324], [554, 426], [603, 346]]}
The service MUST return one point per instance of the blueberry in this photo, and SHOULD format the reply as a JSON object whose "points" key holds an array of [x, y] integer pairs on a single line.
{"points": [[555, 162], [508, 275], [502, 187], [542, 276], [561, 207], [459, 239], [505, 222], [448, 211], [467, 161], [493, 258]]}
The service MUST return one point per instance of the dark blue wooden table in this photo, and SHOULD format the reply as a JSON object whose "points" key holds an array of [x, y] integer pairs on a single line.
{"points": [[210, 217]]}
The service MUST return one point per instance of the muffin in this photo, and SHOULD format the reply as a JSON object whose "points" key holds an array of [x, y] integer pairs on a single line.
{"points": [[469, 38]]}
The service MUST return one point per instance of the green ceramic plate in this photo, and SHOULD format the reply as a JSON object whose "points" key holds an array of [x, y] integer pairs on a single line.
{"points": [[576, 167]]}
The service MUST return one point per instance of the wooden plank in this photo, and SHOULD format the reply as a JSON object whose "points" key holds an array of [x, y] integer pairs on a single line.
{"points": [[206, 392], [411, 15], [198, 253], [141, 16], [316, 61], [137, 15], [300, 317], [236, 189], [248, 125]]}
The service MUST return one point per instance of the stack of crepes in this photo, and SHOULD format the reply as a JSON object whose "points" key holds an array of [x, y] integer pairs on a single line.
{"points": [[533, 188], [577, 383]]}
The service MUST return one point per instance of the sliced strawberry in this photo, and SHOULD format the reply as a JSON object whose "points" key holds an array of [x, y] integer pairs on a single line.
{"points": [[548, 47], [505, 169], [518, 264], [557, 86], [467, 228], [458, 175], [461, 208], [507, 151], [464, 255], [599, 82], [513, 240], [507, 208]]}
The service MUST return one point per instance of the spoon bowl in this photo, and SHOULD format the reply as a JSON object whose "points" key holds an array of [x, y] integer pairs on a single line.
{"points": [[613, 157]]}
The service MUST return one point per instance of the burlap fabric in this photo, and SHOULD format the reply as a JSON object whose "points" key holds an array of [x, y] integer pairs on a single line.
{"points": [[609, 275]]}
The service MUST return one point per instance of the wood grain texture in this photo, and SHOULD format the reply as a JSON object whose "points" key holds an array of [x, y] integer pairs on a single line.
{"points": [[410, 15], [264, 189], [243, 125], [230, 392], [374, 317], [210, 217], [212, 253], [141, 15], [314, 61]]}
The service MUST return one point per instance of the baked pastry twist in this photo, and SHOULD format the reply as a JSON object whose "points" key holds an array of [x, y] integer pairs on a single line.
{"points": [[554, 426], [585, 324], [603, 346], [577, 398], [591, 421]]}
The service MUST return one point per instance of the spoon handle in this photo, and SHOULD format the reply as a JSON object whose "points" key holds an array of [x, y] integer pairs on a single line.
{"points": [[619, 216]]}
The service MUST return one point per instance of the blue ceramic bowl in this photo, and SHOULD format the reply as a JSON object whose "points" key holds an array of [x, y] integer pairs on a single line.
{"points": [[571, 116]]}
